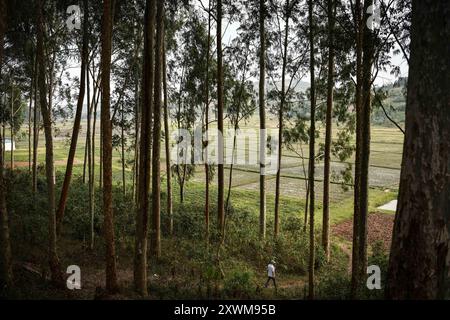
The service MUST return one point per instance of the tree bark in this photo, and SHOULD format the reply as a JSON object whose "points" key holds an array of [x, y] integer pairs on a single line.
{"points": [[208, 58], [357, 184], [262, 121], [167, 140], [35, 130], [420, 251], [156, 156], [312, 132], [6, 272], [140, 259], [328, 132], [30, 106], [368, 56], [280, 124], [122, 138], [76, 125], [220, 97], [55, 267], [95, 99], [108, 225], [11, 164]]}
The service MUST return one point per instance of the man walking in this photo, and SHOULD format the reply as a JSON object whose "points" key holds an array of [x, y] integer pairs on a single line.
{"points": [[271, 274]]}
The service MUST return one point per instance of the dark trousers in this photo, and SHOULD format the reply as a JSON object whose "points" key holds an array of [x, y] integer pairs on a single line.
{"points": [[274, 282]]}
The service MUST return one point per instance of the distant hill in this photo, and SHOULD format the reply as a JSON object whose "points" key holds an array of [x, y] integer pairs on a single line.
{"points": [[394, 104]]}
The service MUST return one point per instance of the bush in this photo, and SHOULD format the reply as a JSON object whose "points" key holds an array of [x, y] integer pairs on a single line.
{"points": [[239, 284]]}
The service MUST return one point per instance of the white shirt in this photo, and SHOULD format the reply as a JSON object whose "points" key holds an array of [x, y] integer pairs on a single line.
{"points": [[271, 270]]}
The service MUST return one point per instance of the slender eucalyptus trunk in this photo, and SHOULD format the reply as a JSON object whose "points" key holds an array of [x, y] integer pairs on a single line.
{"points": [[76, 125], [328, 132], [220, 97], [108, 227], [207, 176], [12, 129], [156, 156], [366, 105], [312, 157], [140, 258], [262, 121], [167, 140], [356, 279], [35, 129], [92, 182], [6, 271], [122, 138], [30, 105], [280, 124], [55, 266]]}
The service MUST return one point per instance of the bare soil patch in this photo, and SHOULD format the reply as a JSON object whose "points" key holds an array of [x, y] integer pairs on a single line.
{"points": [[379, 229]]}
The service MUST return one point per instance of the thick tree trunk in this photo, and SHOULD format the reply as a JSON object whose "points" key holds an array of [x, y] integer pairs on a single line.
{"points": [[140, 258], [156, 156], [6, 272], [312, 132], [55, 267], [420, 252], [220, 97], [356, 279], [76, 125], [167, 140], [108, 226], [328, 131], [262, 121]]}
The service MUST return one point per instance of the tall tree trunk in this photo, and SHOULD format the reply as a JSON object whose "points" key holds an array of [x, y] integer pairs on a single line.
{"points": [[12, 129], [140, 258], [262, 121], [91, 156], [368, 57], [156, 156], [55, 267], [280, 123], [35, 130], [137, 120], [85, 158], [122, 138], [76, 125], [207, 177], [220, 173], [167, 139], [29, 114], [356, 276], [6, 272], [92, 194], [328, 131], [108, 227], [312, 157], [420, 252]]}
